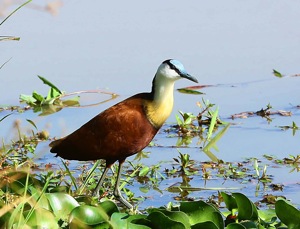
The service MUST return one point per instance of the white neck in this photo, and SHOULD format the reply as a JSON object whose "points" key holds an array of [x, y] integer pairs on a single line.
{"points": [[163, 91], [160, 108]]}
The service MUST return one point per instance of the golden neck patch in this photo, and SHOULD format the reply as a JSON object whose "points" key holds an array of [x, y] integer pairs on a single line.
{"points": [[159, 109]]}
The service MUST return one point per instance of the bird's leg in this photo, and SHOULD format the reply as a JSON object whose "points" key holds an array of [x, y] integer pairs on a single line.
{"points": [[97, 189], [117, 192]]}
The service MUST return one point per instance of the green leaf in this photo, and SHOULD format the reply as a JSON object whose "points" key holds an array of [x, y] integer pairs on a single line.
{"points": [[230, 202], [53, 94], [212, 123], [71, 102], [144, 189], [109, 207], [124, 221], [189, 91], [199, 212], [144, 171], [267, 215], [16, 218], [277, 74], [27, 99], [235, 226], [249, 224], [47, 82], [39, 98], [62, 204], [177, 216], [41, 218], [205, 225], [160, 220], [246, 209], [41, 200], [179, 121], [288, 214], [86, 215]]}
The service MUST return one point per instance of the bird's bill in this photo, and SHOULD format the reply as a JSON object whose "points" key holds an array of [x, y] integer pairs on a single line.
{"points": [[189, 77]]}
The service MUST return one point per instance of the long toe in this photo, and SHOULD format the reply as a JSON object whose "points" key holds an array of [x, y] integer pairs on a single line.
{"points": [[119, 197], [96, 193]]}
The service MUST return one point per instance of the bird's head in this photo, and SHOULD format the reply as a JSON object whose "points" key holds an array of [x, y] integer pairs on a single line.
{"points": [[159, 108], [173, 70]]}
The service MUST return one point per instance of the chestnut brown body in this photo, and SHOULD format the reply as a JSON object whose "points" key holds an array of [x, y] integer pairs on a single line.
{"points": [[116, 133]]}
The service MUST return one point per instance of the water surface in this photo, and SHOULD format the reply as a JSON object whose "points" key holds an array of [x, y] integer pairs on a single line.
{"points": [[117, 46]]}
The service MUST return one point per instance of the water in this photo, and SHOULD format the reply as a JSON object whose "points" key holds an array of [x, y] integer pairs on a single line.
{"points": [[117, 46]]}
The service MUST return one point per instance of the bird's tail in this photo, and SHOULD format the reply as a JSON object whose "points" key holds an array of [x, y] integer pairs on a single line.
{"points": [[55, 145]]}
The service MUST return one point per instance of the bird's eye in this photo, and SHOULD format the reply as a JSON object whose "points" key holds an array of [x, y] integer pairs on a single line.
{"points": [[174, 68]]}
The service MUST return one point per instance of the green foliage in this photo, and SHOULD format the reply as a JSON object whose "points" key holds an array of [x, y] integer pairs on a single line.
{"points": [[189, 91], [288, 214], [30, 200], [277, 74], [50, 103], [26, 202], [186, 165], [209, 118], [185, 125], [244, 214], [263, 177], [293, 127], [17, 153]]}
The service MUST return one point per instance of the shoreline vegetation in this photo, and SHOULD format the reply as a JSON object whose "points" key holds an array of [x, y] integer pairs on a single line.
{"points": [[35, 196]]}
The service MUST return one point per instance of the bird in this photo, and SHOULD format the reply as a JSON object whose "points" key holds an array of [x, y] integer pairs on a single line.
{"points": [[125, 128]]}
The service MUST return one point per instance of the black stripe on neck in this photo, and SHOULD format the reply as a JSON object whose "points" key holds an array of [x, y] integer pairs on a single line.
{"points": [[153, 88]]}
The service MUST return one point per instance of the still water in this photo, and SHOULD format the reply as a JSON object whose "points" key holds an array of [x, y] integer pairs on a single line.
{"points": [[118, 45]]}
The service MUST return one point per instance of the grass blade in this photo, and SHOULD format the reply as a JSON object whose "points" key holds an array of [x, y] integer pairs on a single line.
{"points": [[89, 176], [70, 174], [14, 11], [5, 61], [32, 123], [212, 123], [5, 117]]}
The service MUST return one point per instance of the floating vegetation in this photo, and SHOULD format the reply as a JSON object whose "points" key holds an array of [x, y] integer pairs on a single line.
{"points": [[193, 89], [263, 112], [54, 101], [279, 75], [293, 127]]}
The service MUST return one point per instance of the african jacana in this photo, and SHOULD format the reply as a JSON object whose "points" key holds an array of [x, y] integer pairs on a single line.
{"points": [[125, 128]]}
